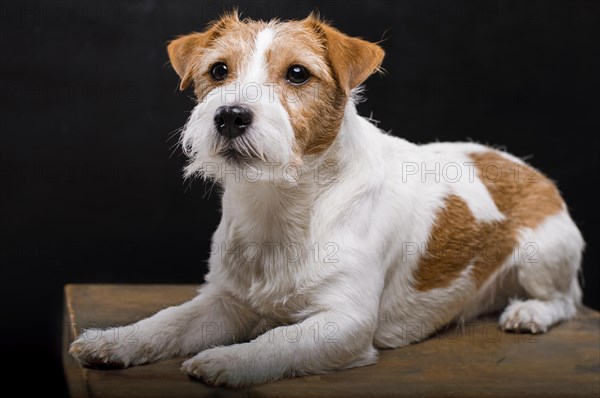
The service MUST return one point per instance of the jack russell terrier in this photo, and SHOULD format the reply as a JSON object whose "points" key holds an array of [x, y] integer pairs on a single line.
{"points": [[337, 239]]}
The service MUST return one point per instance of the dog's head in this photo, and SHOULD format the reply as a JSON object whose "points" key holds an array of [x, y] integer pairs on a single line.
{"points": [[269, 93]]}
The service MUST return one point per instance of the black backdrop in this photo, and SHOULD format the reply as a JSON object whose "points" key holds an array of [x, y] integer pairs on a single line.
{"points": [[91, 183]]}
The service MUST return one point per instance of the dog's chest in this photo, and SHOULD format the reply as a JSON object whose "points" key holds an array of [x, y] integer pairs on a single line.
{"points": [[266, 247], [268, 274], [265, 265]]}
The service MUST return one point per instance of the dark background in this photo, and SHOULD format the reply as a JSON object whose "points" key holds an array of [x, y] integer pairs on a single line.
{"points": [[91, 184]]}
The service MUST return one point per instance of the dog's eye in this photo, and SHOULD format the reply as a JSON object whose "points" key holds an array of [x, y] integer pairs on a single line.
{"points": [[297, 74], [219, 71]]}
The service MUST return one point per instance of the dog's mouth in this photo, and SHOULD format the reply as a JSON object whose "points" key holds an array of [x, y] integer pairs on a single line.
{"points": [[237, 153], [232, 155], [239, 150]]}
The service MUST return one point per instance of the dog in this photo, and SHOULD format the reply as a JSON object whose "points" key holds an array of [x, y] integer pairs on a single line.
{"points": [[337, 239]]}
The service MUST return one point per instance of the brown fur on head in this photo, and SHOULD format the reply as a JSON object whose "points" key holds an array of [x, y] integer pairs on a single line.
{"points": [[337, 63]]}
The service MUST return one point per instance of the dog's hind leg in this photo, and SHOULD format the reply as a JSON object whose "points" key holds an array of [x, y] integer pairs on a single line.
{"points": [[547, 270]]}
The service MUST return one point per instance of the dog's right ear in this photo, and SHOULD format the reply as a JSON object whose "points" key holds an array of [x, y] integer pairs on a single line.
{"points": [[185, 51]]}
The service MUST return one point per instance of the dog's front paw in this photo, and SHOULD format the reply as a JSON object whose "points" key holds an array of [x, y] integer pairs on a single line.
{"points": [[528, 316], [230, 366], [97, 348]]}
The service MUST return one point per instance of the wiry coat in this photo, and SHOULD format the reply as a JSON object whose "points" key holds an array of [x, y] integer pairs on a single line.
{"points": [[336, 238]]}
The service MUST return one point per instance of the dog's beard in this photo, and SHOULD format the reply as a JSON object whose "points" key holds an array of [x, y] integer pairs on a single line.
{"points": [[212, 155], [215, 157], [267, 144], [240, 151]]}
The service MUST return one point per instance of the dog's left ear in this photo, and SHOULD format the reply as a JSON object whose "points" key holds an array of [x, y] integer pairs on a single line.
{"points": [[353, 60]]}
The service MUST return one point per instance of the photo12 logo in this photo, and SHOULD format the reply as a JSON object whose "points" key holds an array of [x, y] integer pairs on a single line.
{"points": [[276, 252], [324, 173], [253, 92]]}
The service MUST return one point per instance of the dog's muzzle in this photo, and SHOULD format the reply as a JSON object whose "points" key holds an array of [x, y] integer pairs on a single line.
{"points": [[232, 121]]}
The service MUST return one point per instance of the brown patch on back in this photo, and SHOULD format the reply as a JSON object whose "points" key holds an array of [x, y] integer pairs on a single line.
{"points": [[457, 239], [522, 193]]}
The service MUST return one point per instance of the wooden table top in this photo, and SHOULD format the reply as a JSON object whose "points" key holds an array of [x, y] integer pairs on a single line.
{"points": [[477, 360]]}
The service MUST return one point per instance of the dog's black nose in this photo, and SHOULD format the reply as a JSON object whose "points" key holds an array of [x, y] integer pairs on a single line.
{"points": [[232, 121]]}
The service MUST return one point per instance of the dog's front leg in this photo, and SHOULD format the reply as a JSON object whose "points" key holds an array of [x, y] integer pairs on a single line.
{"points": [[338, 337], [212, 318], [319, 344]]}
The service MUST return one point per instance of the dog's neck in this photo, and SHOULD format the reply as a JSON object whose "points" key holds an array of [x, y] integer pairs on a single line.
{"points": [[280, 210]]}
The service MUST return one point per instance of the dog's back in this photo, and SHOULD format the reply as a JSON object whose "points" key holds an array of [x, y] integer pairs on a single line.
{"points": [[497, 233]]}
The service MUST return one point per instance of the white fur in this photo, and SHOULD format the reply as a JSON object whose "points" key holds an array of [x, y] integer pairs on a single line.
{"points": [[356, 238], [257, 66], [269, 139]]}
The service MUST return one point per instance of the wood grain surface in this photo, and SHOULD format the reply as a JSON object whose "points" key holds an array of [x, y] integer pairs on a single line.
{"points": [[477, 360]]}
